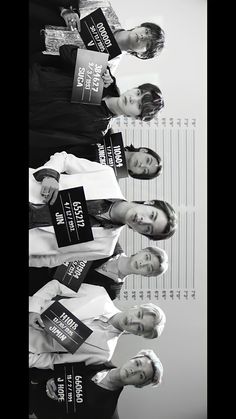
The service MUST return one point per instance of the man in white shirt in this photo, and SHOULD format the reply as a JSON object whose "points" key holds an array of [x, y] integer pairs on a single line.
{"points": [[110, 273], [155, 219], [91, 305]]}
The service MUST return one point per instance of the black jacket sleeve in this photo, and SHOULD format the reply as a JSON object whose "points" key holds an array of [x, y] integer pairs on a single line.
{"points": [[68, 54]]}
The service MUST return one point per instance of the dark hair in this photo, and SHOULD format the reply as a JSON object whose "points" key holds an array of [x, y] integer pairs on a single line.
{"points": [[153, 154], [171, 218], [152, 101], [157, 42]]}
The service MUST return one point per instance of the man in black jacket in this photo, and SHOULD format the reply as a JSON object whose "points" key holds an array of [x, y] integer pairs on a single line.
{"points": [[110, 273]]}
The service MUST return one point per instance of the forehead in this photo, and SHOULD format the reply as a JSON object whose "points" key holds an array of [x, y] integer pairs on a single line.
{"points": [[153, 258], [147, 365], [145, 208], [145, 154], [155, 314], [144, 359], [148, 321], [143, 28]]}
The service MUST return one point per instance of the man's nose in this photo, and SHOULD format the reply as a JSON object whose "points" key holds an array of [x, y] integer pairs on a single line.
{"points": [[144, 219], [140, 218], [141, 263]]}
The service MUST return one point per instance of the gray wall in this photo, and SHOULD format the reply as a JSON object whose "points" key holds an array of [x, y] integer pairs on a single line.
{"points": [[180, 72]]}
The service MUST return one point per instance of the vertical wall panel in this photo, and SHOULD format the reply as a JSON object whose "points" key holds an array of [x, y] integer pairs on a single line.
{"points": [[174, 140]]}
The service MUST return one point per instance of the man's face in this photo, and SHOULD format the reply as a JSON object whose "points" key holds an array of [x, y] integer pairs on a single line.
{"points": [[136, 371], [140, 39], [144, 263], [136, 321], [146, 219], [130, 102], [142, 163]]}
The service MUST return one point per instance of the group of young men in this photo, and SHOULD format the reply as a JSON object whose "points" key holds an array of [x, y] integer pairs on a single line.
{"points": [[63, 140]]}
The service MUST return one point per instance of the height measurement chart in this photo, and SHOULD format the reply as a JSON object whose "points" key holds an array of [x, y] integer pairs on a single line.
{"points": [[174, 141]]}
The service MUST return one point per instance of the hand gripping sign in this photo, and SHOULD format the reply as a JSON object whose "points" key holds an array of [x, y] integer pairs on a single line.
{"points": [[97, 34]]}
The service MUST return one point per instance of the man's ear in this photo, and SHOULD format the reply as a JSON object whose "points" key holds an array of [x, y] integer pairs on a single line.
{"points": [[143, 150]]}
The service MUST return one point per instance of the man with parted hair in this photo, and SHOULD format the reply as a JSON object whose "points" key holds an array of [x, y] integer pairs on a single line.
{"points": [[108, 210], [91, 305]]}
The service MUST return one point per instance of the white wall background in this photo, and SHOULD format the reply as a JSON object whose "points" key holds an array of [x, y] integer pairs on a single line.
{"points": [[180, 72]]}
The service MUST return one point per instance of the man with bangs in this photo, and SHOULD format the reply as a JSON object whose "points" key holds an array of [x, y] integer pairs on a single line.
{"points": [[142, 162], [91, 305], [55, 122], [144, 41]]}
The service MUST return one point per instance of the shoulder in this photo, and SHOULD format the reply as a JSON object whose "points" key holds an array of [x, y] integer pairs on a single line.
{"points": [[94, 290]]}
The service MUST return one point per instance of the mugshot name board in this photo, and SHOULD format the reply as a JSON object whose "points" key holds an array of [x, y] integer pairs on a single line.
{"points": [[70, 217], [64, 327], [69, 382], [97, 34], [72, 274], [88, 83], [111, 152]]}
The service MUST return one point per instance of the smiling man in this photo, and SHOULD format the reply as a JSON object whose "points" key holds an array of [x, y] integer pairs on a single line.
{"points": [[107, 208], [144, 41], [92, 305]]}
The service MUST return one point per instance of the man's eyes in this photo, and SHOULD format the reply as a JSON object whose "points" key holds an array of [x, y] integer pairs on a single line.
{"points": [[140, 314]]}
